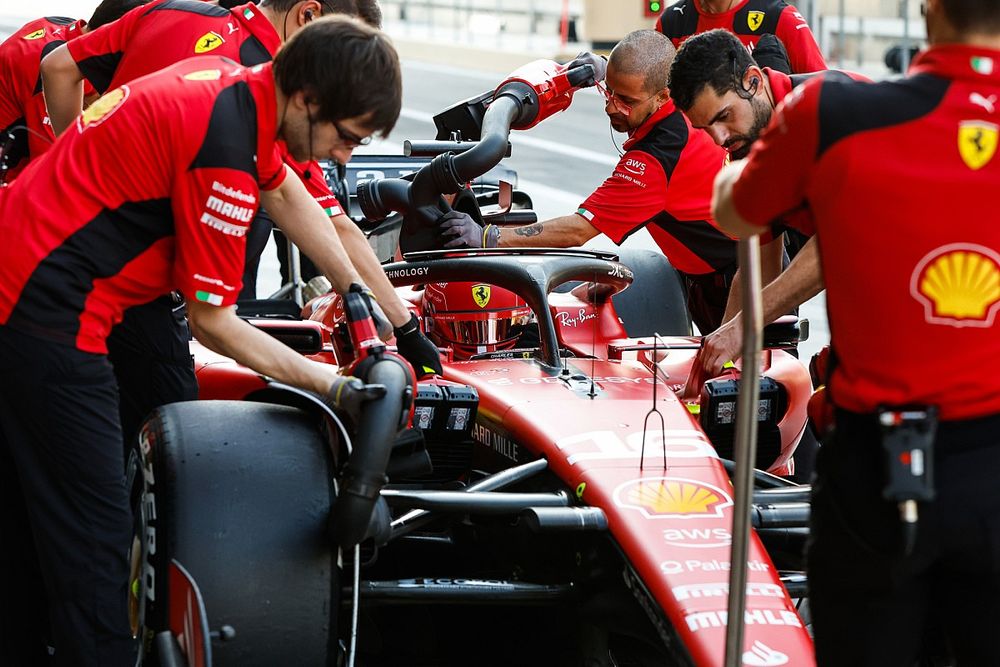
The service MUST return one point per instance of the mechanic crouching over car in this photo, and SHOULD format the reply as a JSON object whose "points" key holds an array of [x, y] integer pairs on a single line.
{"points": [[663, 182], [901, 178], [117, 214]]}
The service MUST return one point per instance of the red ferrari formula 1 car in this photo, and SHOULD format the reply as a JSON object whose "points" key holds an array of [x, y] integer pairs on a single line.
{"points": [[561, 496]]}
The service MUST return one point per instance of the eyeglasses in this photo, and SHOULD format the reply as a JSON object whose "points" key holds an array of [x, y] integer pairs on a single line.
{"points": [[616, 102], [349, 139]]}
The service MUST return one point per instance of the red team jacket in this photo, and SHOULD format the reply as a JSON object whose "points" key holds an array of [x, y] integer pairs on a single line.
{"points": [[21, 100], [191, 146], [748, 20], [664, 183], [162, 33], [901, 178]]}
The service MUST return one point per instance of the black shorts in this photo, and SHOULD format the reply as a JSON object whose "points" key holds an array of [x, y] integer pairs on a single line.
{"points": [[872, 605]]}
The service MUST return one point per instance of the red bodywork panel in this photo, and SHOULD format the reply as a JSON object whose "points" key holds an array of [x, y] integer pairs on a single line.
{"points": [[672, 521]]}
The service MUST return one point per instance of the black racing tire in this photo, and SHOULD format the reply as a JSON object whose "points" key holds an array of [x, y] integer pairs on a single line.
{"points": [[239, 493], [655, 301]]}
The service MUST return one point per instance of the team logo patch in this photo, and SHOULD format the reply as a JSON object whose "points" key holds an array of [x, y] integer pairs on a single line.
{"points": [[755, 20], [673, 498], [204, 75], [208, 42], [100, 110], [958, 285], [38, 34], [977, 142], [481, 295]]}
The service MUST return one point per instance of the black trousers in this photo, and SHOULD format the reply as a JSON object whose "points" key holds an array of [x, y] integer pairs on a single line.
{"points": [[871, 604], [257, 236], [151, 356], [62, 474], [707, 295]]}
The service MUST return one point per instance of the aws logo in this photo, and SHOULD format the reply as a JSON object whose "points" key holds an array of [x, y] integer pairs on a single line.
{"points": [[958, 285], [673, 498], [636, 167], [208, 42]]}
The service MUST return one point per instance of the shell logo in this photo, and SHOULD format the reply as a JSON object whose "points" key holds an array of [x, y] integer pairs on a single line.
{"points": [[99, 111], [673, 498], [958, 285]]}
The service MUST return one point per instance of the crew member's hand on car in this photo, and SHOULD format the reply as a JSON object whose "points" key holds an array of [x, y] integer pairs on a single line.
{"points": [[599, 63], [721, 346], [467, 232], [347, 394], [382, 324], [417, 349]]}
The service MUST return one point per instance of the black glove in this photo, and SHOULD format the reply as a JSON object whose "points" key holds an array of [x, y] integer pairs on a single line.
{"points": [[467, 232], [382, 324], [346, 396], [417, 348], [599, 63], [770, 52]]}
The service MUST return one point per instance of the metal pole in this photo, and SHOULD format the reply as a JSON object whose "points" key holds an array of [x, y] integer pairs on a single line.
{"points": [[745, 451], [906, 36], [841, 41]]}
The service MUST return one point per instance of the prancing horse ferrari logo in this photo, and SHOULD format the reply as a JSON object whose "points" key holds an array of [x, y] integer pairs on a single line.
{"points": [[208, 42], [754, 20], [977, 142], [481, 295]]}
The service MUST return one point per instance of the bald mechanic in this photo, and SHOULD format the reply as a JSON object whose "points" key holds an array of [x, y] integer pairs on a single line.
{"points": [[152, 341], [723, 91], [142, 222], [662, 182], [22, 107], [908, 165]]}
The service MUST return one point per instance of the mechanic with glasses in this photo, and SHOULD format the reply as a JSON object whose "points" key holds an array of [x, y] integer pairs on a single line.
{"points": [[152, 341], [123, 226], [663, 182], [25, 132], [750, 21], [901, 178]]}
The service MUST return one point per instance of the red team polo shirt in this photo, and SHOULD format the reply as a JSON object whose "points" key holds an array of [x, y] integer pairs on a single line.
{"points": [[902, 179], [159, 34], [664, 183], [21, 100], [190, 147], [748, 20]]}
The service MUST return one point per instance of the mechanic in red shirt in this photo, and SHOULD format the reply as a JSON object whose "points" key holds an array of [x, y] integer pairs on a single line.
{"points": [[153, 339], [130, 214], [749, 20], [900, 177], [663, 182], [723, 91], [22, 107]]}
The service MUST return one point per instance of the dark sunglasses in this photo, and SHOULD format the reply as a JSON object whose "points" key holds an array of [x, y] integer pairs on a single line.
{"points": [[349, 139]]}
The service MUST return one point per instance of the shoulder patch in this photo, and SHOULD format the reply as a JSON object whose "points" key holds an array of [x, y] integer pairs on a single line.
{"points": [[36, 34], [231, 137], [102, 109], [210, 41]]}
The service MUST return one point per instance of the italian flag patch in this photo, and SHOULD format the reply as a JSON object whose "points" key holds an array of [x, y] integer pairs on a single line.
{"points": [[983, 65], [585, 213], [208, 297], [248, 13]]}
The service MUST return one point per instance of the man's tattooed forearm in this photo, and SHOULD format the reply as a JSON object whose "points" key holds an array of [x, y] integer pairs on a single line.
{"points": [[530, 230]]}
